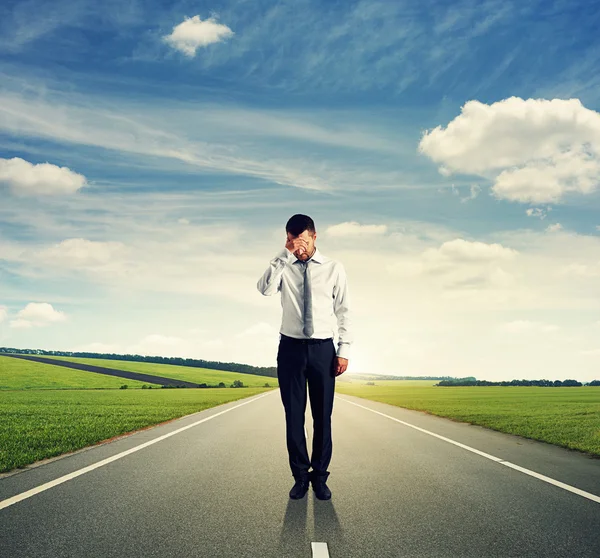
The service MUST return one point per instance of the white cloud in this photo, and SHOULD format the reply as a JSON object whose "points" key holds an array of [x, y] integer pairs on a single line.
{"points": [[194, 33], [353, 228], [25, 178], [549, 179], [461, 250], [3, 313], [474, 192], [260, 329], [538, 212], [175, 136], [80, 253], [535, 150], [458, 265], [37, 314], [554, 228], [581, 269], [96, 347], [519, 326]]}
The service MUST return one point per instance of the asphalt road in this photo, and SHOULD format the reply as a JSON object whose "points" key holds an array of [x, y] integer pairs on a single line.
{"points": [[219, 488]]}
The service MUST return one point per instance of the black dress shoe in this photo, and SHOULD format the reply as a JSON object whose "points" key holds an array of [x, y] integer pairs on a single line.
{"points": [[300, 488], [320, 488]]}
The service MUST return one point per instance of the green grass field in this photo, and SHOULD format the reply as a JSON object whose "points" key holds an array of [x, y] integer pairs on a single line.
{"points": [[567, 417], [16, 373], [50, 410], [40, 375], [37, 424]]}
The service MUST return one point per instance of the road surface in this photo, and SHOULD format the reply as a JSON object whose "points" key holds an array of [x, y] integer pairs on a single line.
{"points": [[216, 483]]}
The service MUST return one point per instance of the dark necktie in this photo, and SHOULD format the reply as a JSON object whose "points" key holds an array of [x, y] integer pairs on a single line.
{"points": [[308, 317]]}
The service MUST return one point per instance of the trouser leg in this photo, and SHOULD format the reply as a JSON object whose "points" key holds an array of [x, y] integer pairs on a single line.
{"points": [[321, 386], [291, 373]]}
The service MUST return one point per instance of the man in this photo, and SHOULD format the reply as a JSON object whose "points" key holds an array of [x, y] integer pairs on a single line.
{"points": [[313, 288]]}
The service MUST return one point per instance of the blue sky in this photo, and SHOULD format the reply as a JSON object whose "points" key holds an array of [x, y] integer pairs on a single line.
{"points": [[449, 153]]}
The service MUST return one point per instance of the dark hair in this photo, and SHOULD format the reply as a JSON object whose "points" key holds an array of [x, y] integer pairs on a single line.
{"points": [[299, 223]]}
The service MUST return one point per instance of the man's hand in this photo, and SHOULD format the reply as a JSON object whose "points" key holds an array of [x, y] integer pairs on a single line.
{"points": [[340, 365], [296, 244]]}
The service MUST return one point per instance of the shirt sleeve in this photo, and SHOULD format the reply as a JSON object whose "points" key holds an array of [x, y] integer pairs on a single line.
{"points": [[341, 308], [270, 282]]}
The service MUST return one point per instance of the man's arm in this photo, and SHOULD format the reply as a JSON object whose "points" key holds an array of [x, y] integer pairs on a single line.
{"points": [[341, 308], [270, 282]]}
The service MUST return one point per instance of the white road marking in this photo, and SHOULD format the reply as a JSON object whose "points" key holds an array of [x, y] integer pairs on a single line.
{"points": [[319, 550], [36, 490], [549, 480]]}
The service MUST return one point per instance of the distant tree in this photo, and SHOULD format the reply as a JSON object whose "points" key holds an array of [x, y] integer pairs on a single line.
{"points": [[222, 384], [237, 383], [124, 386], [594, 383], [370, 383], [571, 383]]}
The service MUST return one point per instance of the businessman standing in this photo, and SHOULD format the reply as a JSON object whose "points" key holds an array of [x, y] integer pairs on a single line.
{"points": [[314, 292]]}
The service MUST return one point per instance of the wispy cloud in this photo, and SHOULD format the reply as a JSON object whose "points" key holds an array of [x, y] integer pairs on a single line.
{"points": [[357, 46], [211, 140]]}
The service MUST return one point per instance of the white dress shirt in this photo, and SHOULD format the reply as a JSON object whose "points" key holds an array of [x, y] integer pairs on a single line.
{"points": [[329, 296]]}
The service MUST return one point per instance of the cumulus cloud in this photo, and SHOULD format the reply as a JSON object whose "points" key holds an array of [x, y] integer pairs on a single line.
{"points": [[3, 313], [194, 33], [554, 228], [37, 314], [27, 179], [461, 250], [535, 150], [460, 264], [353, 228], [82, 253]]}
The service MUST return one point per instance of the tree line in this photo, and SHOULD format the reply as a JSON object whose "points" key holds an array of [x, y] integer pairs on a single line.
{"points": [[542, 383]]}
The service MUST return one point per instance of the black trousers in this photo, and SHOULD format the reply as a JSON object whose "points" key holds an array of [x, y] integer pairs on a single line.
{"points": [[299, 361]]}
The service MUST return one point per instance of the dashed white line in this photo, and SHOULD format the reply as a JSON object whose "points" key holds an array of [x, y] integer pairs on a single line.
{"points": [[36, 490], [544, 478], [319, 550]]}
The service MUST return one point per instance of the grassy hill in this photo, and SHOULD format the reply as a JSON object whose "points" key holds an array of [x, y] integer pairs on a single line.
{"points": [[188, 373]]}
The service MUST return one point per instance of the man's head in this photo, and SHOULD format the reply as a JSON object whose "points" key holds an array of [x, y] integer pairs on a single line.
{"points": [[304, 227]]}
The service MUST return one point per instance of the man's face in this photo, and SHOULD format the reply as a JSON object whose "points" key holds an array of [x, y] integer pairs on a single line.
{"points": [[310, 241]]}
